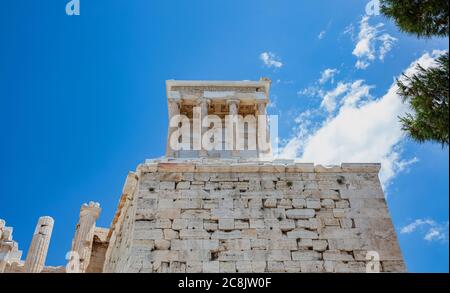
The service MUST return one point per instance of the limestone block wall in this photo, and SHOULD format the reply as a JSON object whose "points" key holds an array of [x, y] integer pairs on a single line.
{"points": [[253, 217]]}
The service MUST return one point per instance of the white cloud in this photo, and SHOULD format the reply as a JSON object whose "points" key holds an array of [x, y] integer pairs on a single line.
{"points": [[410, 228], [348, 93], [361, 129], [311, 91], [350, 30], [361, 64], [432, 230], [270, 60], [371, 43], [321, 35], [328, 74], [387, 42], [404, 165], [329, 99]]}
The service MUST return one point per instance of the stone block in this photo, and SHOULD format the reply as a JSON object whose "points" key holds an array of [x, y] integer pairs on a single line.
{"points": [[226, 224], [170, 234], [211, 267], [260, 244], [278, 255], [276, 267], [300, 233], [300, 213], [241, 224], [210, 225], [236, 234], [237, 244], [152, 234], [227, 267], [306, 255], [194, 267], [244, 266], [319, 245], [299, 203], [258, 266], [305, 243], [270, 203], [162, 244], [313, 204], [168, 213], [167, 185], [312, 266], [183, 185], [288, 244], [195, 224], [285, 203], [327, 203], [335, 255], [340, 213], [179, 224], [193, 234], [195, 214]]}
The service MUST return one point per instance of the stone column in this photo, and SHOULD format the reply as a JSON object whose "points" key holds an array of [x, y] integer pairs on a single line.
{"points": [[84, 235], [203, 103], [174, 109], [233, 110], [37, 253], [261, 108], [4, 249]]}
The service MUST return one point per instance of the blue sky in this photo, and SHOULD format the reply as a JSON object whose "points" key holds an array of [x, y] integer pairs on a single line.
{"points": [[82, 101]]}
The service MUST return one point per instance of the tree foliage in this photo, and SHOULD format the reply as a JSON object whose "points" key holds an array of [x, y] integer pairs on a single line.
{"points": [[424, 18], [427, 94]]}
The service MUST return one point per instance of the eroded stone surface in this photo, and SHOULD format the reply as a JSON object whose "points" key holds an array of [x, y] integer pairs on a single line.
{"points": [[255, 221]]}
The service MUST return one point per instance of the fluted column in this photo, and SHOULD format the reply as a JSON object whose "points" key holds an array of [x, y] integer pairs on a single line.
{"points": [[262, 110], [37, 253], [174, 109], [84, 235], [233, 110], [203, 103]]}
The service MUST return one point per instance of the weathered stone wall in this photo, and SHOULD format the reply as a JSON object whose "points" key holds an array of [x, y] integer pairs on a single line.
{"points": [[253, 217], [121, 233], [99, 247]]}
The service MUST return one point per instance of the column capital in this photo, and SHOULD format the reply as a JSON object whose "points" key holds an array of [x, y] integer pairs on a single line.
{"points": [[174, 102], [174, 96], [233, 101], [92, 208], [6, 233], [202, 100]]}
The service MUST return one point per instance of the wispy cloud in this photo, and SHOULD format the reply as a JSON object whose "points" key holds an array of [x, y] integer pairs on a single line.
{"points": [[430, 229], [311, 91], [357, 128], [372, 43], [316, 90], [328, 74], [270, 60], [322, 34]]}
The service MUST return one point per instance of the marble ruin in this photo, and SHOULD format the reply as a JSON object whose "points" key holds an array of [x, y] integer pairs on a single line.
{"points": [[229, 210]]}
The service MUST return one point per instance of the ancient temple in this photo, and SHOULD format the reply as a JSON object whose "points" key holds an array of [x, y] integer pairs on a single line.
{"points": [[211, 205]]}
